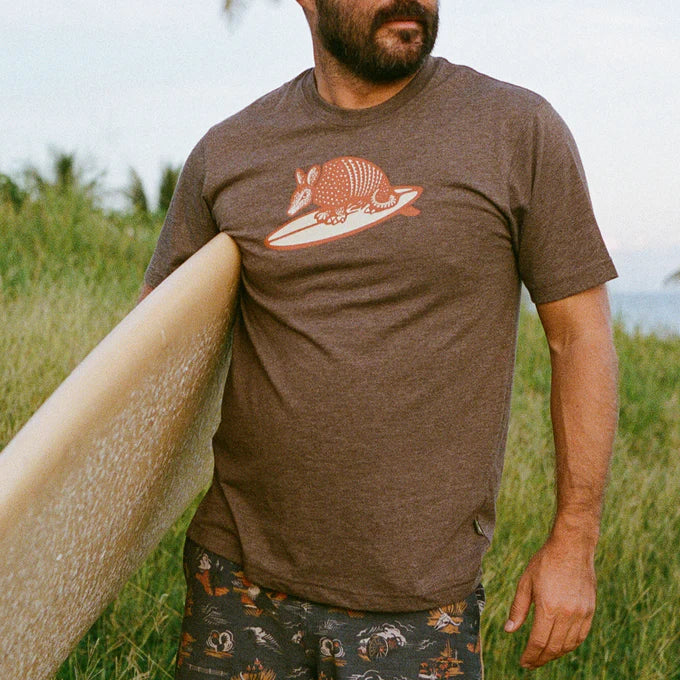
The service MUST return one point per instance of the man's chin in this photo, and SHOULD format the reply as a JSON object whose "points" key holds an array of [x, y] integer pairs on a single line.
{"points": [[403, 59], [400, 33], [389, 73]]}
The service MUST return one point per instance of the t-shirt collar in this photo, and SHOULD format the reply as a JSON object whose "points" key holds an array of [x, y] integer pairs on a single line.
{"points": [[340, 116]]}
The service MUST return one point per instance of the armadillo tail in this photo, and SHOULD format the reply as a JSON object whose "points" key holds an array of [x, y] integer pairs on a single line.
{"points": [[383, 205]]}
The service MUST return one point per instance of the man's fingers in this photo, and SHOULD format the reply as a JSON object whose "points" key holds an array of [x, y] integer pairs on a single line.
{"points": [[576, 635], [520, 605], [553, 637], [578, 632], [584, 628], [540, 639]]}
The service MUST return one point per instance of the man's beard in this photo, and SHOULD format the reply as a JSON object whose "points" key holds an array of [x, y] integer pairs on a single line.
{"points": [[355, 45]]}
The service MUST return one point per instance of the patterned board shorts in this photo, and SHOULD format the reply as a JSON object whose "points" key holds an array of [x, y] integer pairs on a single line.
{"points": [[236, 630]]}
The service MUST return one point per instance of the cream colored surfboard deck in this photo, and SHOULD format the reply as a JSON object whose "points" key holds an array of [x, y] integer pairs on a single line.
{"points": [[91, 483]]}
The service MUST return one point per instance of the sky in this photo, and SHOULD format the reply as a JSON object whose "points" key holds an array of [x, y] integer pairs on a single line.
{"points": [[136, 83]]}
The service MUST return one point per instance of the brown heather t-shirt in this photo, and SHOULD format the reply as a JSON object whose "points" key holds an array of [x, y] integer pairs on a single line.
{"points": [[366, 408]]}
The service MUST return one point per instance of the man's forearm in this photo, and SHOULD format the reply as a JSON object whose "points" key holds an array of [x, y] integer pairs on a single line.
{"points": [[584, 415]]}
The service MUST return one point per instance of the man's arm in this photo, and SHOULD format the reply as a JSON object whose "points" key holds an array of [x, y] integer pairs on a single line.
{"points": [[560, 578]]}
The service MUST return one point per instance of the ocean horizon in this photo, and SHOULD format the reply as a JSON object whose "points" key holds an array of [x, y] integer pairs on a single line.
{"points": [[648, 312]]}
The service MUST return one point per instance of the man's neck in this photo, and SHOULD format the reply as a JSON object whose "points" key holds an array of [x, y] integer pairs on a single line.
{"points": [[340, 87]]}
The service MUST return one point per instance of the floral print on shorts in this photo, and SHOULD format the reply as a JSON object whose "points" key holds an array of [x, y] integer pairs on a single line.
{"points": [[237, 630]]}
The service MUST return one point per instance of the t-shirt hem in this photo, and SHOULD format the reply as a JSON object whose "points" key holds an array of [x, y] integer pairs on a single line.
{"points": [[206, 539], [335, 596]]}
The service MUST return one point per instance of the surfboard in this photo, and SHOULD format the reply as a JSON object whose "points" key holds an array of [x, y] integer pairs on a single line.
{"points": [[94, 479], [307, 230]]}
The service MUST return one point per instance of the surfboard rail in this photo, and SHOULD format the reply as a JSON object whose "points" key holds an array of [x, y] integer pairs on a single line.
{"points": [[92, 481]]}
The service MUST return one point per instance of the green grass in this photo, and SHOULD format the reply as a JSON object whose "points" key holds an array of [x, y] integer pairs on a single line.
{"points": [[69, 271], [635, 633]]}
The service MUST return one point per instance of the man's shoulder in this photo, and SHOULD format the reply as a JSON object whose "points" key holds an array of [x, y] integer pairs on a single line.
{"points": [[480, 89], [269, 110]]}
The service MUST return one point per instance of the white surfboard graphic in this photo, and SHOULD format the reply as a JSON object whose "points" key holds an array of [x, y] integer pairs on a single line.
{"points": [[307, 230]]}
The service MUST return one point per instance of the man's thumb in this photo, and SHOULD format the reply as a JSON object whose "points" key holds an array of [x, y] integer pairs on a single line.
{"points": [[520, 605]]}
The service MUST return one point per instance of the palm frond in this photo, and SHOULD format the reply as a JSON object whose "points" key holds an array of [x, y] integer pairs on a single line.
{"points": [[169, 176], [135, 193], [673, 279], [64, 170], [11, 192], [231, 7]]}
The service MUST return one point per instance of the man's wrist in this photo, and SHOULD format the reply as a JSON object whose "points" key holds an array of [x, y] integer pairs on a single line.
{"points": [[576, 529]]}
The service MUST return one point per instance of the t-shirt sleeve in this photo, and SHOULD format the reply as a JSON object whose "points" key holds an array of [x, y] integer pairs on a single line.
{"points": [[560, 250], [189, 224]]}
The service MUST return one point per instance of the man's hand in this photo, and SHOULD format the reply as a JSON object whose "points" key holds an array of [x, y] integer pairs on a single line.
{"points": [[560, 581]]}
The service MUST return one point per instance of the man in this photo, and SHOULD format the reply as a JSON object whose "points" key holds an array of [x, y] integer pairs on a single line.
{"points": [[387, 205]]}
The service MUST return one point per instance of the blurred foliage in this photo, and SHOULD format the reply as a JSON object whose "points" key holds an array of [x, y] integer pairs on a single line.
{"points": [[55, 230], [136, 194], [169, 177]]}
